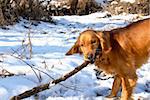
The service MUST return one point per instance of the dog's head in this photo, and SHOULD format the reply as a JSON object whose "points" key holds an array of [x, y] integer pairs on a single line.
{"points": [[91, 43]]}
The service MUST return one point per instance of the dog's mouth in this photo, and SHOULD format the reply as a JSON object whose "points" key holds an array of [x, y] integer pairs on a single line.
{"points": [[93, 58], [90, 60]]}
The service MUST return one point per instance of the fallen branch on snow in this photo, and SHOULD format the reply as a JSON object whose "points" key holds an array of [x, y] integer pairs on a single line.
{"points": [[49, 85]]}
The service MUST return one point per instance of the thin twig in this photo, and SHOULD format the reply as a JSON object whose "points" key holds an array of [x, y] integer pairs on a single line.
{"points": [[43, 73], [68, 87], [50, 84], [6, 73], [29, 66], [30, 44]]}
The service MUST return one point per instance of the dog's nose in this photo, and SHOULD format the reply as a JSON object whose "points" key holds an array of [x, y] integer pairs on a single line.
{"points": [[90, 57]]}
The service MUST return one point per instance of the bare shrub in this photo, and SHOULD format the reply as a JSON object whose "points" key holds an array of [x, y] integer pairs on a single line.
{"points": [[74, 7], [87, 7], [138, 7], [12, 10]]}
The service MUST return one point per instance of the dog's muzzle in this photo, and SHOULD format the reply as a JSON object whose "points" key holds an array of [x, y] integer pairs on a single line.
{"points": [[92, 57]]}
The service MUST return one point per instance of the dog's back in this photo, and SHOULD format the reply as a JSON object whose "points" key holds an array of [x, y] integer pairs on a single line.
{"points": [[135, 40]]}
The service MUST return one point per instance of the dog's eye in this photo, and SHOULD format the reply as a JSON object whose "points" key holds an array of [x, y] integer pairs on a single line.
{"points": [[93, 41], [81, 45]]}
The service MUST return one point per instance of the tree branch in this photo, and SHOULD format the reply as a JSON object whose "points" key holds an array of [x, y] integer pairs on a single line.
{"points": [[49, 85]]}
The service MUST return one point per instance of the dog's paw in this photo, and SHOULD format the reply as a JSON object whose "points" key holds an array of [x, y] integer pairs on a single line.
{"points": [[111, 97]]}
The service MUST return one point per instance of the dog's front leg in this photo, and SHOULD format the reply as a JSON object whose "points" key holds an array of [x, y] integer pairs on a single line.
{"points": [[115, 87], [128, 84]]}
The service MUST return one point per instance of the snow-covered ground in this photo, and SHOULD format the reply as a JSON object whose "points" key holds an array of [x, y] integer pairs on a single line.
{"points": [[50, 42]]}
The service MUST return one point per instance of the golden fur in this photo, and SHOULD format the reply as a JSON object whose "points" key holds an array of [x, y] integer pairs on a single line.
{"points": [[120, 52]]}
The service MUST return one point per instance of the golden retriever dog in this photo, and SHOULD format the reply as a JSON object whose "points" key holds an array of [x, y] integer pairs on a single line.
{"points": [[119, 52]]}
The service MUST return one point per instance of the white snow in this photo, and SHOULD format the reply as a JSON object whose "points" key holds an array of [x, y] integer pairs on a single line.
{"points": [[100, 1], [50, 43], [130, 1]]}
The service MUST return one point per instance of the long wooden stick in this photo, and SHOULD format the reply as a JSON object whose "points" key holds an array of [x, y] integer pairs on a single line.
{"points": [[49, 85]]}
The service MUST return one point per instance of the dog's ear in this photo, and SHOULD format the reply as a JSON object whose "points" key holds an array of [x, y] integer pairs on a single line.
{"points": [[75, 49], [105, 41]]}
